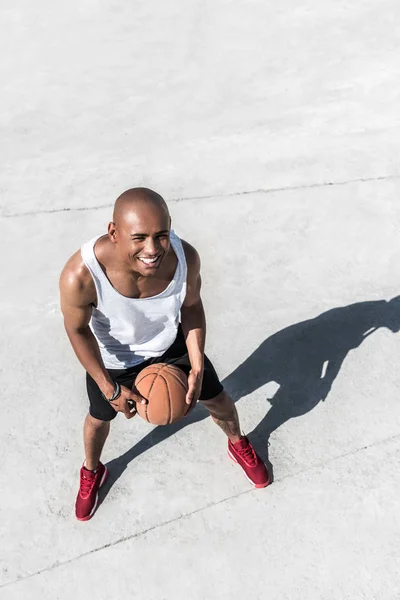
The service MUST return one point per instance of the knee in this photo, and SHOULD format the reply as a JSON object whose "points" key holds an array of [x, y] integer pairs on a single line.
{"points": [[97, 423], [222, 401]]}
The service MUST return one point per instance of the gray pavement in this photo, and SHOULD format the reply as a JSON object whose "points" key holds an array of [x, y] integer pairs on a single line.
{"points": [[273, 132]]}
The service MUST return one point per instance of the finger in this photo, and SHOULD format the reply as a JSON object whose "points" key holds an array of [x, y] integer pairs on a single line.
{"points": [[130, 415], [193, 392], [190, 396], [141, 400], [138, 397], [132, 407], [192, 385], [191, 405], [129, 410]]}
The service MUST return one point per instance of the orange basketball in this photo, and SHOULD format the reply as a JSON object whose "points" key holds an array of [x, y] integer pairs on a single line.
{"points": [[164, 387]]}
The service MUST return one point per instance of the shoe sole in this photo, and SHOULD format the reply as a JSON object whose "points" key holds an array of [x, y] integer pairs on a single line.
{"points": [[256, 485], [102, 482]]}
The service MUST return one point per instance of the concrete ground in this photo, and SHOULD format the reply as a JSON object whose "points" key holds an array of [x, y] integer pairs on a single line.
{"points": [[272, 129]]}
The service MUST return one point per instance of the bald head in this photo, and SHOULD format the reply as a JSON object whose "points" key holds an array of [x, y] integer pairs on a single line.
{"points": [[140, 230], [136, 200]]}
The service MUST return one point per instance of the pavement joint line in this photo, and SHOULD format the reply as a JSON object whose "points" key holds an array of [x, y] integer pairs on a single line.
{"points": [[198, 510], [209, 197]]}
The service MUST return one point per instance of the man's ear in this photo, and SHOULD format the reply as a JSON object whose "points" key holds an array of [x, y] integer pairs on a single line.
{"points": [[112, 232]]}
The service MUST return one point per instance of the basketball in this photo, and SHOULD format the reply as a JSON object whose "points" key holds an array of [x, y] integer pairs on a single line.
{"points": [[164, 387]]}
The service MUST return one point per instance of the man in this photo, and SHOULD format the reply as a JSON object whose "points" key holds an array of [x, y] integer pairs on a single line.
{"points": [[129, 299]]}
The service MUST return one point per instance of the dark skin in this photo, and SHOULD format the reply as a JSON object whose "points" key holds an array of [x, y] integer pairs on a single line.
{"points": [[139, 262]]}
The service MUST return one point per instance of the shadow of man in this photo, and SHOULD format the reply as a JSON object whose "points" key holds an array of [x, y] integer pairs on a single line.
{"points": [[304, 359]]}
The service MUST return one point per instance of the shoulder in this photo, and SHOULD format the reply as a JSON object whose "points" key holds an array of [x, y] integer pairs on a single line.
{"points": [[76, 282], [192, 257]]}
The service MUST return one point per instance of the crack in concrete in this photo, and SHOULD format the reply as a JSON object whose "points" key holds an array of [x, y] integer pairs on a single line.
{"points": [[194, 512], [216, 195]]}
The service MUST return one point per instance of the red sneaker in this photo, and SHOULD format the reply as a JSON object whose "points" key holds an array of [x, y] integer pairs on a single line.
{"points": [[254, 469], [88, 495]]}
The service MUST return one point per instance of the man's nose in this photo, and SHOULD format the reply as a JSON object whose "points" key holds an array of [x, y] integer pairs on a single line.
{"points": [[151, 247]]}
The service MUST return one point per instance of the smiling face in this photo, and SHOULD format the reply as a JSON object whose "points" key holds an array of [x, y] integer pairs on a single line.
{"points": [[140, 234]]}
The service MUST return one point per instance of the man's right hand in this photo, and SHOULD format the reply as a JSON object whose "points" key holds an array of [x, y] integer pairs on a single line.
{"points": [[126, 402]]}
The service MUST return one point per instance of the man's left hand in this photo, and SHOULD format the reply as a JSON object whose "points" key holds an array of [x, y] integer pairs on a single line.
{"points": [[195, 381]]}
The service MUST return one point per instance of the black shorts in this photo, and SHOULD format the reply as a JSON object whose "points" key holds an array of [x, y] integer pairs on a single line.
{"points": [[175, 355]]}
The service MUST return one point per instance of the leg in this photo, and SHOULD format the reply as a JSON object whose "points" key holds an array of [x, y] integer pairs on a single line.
{"points": [[224, 413], [93, 473], [95, 433]]}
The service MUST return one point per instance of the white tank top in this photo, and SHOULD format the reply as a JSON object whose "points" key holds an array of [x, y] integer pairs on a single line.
{"points": [[130, 330]]}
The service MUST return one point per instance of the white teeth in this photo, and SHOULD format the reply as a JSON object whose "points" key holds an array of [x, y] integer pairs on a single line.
{"points": [[148, 261]]}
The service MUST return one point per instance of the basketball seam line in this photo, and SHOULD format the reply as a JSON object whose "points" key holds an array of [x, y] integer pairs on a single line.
{"points": [[158, 373], [174, 376], [172, 373], [178, 380], [169, 396], [151, 387]]}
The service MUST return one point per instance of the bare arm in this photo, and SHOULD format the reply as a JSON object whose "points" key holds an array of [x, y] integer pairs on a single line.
{"points": [[77, 294], [194, 323]]}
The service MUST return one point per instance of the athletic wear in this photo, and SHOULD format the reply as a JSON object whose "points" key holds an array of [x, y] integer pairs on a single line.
{"points": [[88, 495], [132, 330], [177, 355], [243, 453]]}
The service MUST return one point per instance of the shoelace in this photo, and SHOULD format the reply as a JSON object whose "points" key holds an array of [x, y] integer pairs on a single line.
{"points": [[249, 455], [86, 484]]}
